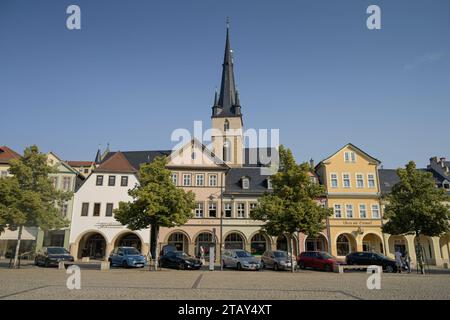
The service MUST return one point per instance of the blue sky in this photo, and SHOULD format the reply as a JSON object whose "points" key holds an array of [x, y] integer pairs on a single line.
{"points": [[139, 69]]}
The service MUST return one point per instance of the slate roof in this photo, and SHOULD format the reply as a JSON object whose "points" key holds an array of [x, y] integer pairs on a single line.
{"points": [[258, 182], [7, 154]]}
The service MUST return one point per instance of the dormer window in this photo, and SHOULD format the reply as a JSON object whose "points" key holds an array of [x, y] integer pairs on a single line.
{"points": [[269, 184], [245, 183], [350, 156], [226, 125], [446, 185]]}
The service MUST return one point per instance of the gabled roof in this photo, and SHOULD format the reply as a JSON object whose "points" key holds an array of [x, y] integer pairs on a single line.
{"points": [[137, 158], [64, 163], [116, 163], [376, 161], [7, 154]]}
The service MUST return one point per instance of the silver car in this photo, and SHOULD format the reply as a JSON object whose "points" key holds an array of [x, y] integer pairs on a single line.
{"points": [[240, 259], [276, 260]]}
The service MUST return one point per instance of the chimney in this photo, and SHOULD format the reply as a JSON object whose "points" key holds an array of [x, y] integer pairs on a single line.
{"points": [[443, 159], [311, 163], [433, 159]]}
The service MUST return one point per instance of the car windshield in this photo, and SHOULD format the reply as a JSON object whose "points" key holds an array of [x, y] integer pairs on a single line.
{"points": [[181, 254], [326, 255], [243, 254], [132, 251], [57, 251], [379, 255], [280, 254]]}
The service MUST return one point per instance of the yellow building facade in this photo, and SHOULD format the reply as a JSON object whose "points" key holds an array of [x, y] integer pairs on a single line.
{"points": [[350, 177]]}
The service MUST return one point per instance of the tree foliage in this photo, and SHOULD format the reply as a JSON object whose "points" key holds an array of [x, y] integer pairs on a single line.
{"points": [[292, 206], [157, 202], [415, 205]]}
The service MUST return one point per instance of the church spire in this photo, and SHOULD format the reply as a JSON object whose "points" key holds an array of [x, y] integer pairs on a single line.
{"points": [[227, 96]]}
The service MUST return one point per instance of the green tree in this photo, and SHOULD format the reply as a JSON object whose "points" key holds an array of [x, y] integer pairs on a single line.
{"points": [[292, 205], [28, 198], [416, 206], [157, 202]]}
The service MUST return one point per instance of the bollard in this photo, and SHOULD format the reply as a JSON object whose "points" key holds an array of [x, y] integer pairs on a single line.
{"points": [[105, 265]]}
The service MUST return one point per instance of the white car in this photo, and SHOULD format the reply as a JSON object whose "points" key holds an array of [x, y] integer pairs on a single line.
{"points": [[240, 259]]}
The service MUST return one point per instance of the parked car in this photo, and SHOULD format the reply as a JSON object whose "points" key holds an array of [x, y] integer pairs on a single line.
{"points": [[371, 258], [179, 260], [51, 256], [277, 260], [319, 260], [127, 257], [240, 259]]}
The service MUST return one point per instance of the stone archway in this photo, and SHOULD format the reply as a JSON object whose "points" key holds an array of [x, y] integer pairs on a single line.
{"points": [[426, 248], [179, 240], [92, 245], [372, 243], [234, 240], [282, 244], [444, 244], [203, 242], [128, 239], [259, 243], [397, 243], [345, 244], [317, 243]]}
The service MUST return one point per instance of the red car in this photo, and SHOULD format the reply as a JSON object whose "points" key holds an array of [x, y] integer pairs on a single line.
{"points": [[318, 260]]}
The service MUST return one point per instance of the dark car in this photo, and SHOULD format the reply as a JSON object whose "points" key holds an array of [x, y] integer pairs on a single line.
{"points": [[318, 260], [127, 257], [179, 260], [371, 258], [51, 256]]}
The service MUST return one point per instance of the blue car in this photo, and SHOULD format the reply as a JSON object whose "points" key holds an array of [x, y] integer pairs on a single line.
{"points": [[127, 257]]}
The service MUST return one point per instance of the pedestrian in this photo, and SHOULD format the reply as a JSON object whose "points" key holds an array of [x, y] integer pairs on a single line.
{"points": [[398, 261], [407, 260]]}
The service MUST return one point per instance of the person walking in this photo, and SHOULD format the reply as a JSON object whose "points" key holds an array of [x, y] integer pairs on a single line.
{"points": [[398, 261], [407, 260]]}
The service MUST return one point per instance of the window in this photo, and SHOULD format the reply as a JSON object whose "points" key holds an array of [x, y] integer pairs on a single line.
{"points": [[226, 125], [99, 181], [349, 157], [227, 151], [359, 180], [96, 210], [269, 184], [446, 185], [86, 171], [66, 183], [346, 180], [64, 208], [337, 211], [186, 180], [212, 210], [109, 210], [213, 180], [111, 181], [175, 178], [334, 180], [253, 206], [124, 181], [245, 183], [54, 181], [375, 211], [371, 180], [349, 210], [199, 210], [241, 210], [84, 209], [228, 210], [362, 211], [200, 179]]}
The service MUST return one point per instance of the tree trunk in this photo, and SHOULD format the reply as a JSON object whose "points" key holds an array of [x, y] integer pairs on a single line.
{"points": [[154, 244], [16, 255], [291, 251], [419, 254]]}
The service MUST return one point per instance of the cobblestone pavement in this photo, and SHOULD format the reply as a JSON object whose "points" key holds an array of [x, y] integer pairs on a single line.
{"points": [[40, 283]]}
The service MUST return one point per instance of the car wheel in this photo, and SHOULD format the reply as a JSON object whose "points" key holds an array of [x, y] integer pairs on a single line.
{"points": [[327, 268], [238, 266], [110, 263], [181, 266], [302, 265], [389, 269], [46, 264], [124, 264], [263, 266], [275, 266], [36, 262], [223, 264]]}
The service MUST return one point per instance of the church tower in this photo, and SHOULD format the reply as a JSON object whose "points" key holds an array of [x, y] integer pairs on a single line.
{"points": [[227, 140]]}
